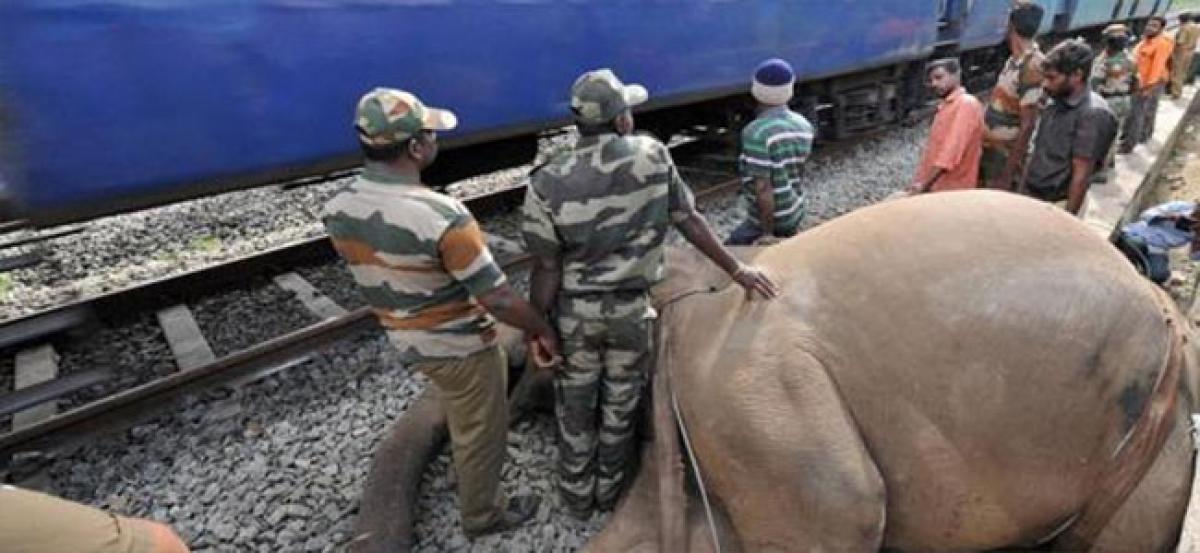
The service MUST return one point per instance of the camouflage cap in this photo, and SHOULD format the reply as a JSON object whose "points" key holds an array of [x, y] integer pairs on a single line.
{"points": [[599, 96], [387, 116], [1116, 29]]}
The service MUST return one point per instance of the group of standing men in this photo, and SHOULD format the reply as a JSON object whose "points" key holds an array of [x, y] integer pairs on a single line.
{"points": [[596, 216], [1050, 127], [595, 221]]}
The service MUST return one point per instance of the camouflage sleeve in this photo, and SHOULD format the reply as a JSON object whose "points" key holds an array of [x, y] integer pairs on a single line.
{"points": [[1030, 82], [466, 257], [1099, 72], [537, 226], [681, 203]]}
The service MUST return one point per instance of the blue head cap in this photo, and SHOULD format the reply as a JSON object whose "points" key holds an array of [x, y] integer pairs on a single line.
{"points": [[774, 82]]}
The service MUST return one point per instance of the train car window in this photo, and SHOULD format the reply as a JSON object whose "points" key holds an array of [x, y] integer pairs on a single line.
{"points": [[950, 10]]}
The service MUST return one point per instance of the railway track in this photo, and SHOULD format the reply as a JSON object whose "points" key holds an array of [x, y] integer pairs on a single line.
{"points": [[37, 427], [277, 464], [706, 162]]}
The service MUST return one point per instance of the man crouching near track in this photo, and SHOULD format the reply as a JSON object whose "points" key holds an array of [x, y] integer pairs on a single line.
{"points": [[595, 220], [33, 522], [423, 265]]}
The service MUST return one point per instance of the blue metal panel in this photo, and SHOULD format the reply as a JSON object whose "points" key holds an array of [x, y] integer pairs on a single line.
{"points": [[1142, 8], [1052, 7], [985, 24], [118, 98], [988, 20], [1090, 13]]}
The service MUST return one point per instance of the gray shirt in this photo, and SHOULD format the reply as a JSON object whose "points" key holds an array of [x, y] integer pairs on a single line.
{"points": [[1082, 126]]}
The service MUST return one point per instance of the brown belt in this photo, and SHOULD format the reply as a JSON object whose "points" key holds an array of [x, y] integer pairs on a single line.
{"points": [[1138, 452]]}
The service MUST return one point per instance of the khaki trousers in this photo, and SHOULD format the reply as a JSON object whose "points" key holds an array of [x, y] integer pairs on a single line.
{"points": [[1179, 71], [473, 391]]}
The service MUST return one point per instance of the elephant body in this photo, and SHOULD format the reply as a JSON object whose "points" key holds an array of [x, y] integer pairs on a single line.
{"points": [[949, 372]]}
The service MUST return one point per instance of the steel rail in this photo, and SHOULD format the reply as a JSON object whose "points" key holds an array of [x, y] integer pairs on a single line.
{"points": [[204, 280], [125, 408], [212, 278]]}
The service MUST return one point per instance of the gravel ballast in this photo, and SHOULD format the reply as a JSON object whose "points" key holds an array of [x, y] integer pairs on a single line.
{"points": [[125, 250], [279, 465]]}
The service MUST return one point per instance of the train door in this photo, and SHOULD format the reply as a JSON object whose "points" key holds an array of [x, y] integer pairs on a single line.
{"points": [[1092, 14], [950, 14], [1141, 8], [1057, 16]]}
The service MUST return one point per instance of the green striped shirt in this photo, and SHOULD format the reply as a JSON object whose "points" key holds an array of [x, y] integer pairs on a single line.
{"points": [[775, 146]]}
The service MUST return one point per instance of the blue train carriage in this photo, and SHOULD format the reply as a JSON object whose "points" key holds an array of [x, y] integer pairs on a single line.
{"points": [[974, 29], [123, 104]]}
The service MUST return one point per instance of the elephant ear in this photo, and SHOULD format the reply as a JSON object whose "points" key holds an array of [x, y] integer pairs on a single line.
{"points": [[690, 272]]}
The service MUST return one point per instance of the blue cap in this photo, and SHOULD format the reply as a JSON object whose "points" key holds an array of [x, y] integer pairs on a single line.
{"points": [[774, 72], [774, 82]]}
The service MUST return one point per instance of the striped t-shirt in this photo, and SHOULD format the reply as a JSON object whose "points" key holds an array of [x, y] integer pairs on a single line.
{"points": [[419, 258], [775, 145]]}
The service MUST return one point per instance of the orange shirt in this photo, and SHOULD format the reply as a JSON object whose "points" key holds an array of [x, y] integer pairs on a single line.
{"points": [[955, 143], [1152, 56]]}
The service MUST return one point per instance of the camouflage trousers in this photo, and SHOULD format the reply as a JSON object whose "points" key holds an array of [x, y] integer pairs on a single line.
{"points": [[606, 343], [1121, 106]]}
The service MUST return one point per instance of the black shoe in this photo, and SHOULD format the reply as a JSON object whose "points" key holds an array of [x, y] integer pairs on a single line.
{"points": [[520, 509]]}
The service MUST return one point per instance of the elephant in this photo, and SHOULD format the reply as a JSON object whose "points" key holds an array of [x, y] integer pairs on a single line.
{"points": [[960, 371]]}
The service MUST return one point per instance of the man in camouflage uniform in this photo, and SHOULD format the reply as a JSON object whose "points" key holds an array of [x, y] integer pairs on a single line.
{"points": [[1012, 111], [595, 218], [1186, 38], [424, 267], [1114, 77]]}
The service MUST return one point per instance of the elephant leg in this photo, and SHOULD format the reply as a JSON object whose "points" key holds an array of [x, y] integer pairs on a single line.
{"points": [[785, 457], [1151, 518]]}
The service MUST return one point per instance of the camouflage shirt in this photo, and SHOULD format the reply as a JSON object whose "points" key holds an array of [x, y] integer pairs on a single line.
{"points": [[418, 257], [604, 210], [1019, 86], [1113, 75]]}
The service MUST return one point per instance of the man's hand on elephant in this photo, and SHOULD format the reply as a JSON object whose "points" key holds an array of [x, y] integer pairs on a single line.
{"points": [[754, 280]]}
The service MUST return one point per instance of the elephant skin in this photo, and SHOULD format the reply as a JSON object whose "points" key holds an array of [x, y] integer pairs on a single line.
{"points": [[949, 372]]}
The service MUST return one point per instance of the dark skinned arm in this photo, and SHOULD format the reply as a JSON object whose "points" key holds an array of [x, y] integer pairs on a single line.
{"points": [[923, 187], [764, 194], [1016, 154], [544, 282], [696, 230], [504, 303], [1081, 175]]}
